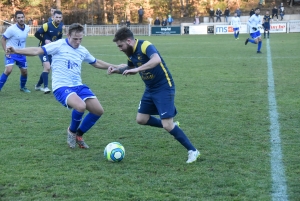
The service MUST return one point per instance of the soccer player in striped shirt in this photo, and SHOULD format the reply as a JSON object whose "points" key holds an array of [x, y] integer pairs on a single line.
{"points": [[254, 23], [236, 24], [68, 89], [15, 36]]}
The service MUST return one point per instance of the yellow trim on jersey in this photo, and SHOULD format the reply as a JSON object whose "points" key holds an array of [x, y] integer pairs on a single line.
{"points": [[166, 73], [45, 27], [54, 24], [136, 42], [144, 46]]}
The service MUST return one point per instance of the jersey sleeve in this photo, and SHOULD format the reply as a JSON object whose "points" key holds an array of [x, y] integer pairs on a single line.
{"points": [[148, 49], [8, 33], [89, 58], [52, 48]]}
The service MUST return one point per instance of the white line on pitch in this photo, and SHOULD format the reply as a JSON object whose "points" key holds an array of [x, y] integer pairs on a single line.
{"points": [[279, 188]]}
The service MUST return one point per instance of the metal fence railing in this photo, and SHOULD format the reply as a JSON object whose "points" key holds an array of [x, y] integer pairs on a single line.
{"points": [[96, 30]]}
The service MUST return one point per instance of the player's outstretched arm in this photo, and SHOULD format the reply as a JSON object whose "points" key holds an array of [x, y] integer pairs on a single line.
{"points": [[119, 70], [29, 51], [104, 65]]}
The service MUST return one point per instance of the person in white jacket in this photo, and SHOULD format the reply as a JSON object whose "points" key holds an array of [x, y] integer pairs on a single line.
{"points": [[236, 24], [254, 23]]}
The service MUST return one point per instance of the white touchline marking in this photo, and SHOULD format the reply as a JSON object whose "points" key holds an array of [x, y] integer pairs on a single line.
{"points": [[279, 188]]}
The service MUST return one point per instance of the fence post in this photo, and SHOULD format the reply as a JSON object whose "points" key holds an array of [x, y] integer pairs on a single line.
{"points": [[85, 29], [288, 27], [149, 28]]}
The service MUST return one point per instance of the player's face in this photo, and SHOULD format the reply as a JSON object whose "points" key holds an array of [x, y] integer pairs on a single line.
{"points": [[257, 12], [20, 19], [75, 39], [125, 47], [267, 13], [57, 18]]}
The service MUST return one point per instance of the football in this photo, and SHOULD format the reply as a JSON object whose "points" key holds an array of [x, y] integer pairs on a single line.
{"points": [[114, 152]]}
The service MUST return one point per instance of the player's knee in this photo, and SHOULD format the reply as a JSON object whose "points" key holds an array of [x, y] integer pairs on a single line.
{"points": [[141, 121]]}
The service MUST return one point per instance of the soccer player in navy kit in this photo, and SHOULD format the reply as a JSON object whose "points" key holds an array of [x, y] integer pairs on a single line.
{"points": [[266, 24], [159, 95], [49, 32]]}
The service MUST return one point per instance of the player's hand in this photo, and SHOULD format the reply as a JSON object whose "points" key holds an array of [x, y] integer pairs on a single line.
{"points": [[112, 70], [131, 71], [254, 28], [10, 50], [47, 41]]}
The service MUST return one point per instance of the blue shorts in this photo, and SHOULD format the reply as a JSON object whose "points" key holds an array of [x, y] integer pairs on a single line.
{"points": [[19, 59], [63, 93], [45, 58], [159, 102], [236, 29], [255, 34]]}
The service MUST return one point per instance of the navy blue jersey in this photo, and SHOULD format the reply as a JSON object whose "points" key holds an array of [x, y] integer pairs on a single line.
{"points": [[155, 77], [267, 19], [50, 31]]}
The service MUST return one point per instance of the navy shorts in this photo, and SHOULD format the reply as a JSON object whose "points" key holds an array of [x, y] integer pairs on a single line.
{"points": [[63, 93], [45, 58], [159, 102]]}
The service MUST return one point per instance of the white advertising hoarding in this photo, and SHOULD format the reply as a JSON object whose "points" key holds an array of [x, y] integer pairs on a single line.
{"points": [[228, 29], [200, 29]]}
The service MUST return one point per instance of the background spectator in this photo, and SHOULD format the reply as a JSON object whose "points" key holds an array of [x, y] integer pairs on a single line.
{"points": [[238, 12], [170, 20], [141, 13], [157, 22], [35, 22], [164, 22], [281, 11], [197, 19], [275, 12], [30, 21], [122, 23], [211, 14], [218, 14], [128, 22], [226, 14], [252, 12]]}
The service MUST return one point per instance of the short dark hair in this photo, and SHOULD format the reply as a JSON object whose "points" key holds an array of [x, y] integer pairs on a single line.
{"points": [[257, 9], [57, 12], [122, 34], [75, 27], [18, 12]]}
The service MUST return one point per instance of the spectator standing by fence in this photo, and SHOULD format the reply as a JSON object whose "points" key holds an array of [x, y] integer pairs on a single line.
{"points": [[226, 14], [141, 14], [275, 12], [218, 15], [238, 12], [157, 21], [281, 11], [211, 14], [164, 22], [197, 19], [170, 20], [30, 21]]}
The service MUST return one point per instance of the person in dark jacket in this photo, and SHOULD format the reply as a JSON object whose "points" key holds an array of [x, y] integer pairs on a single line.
{"points": [[238, 12], [218, 15], [157, 22], [275, 12], [226, 14], [164, 22], [141, 13], [252, 12], [211, 14]]}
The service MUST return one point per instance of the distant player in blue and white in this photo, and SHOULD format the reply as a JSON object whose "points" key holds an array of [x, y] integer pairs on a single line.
{"points": [[159, 94], [254, 23], [15, 36], [68, 89], [49, 32], [236, 24], [266, 24]]}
